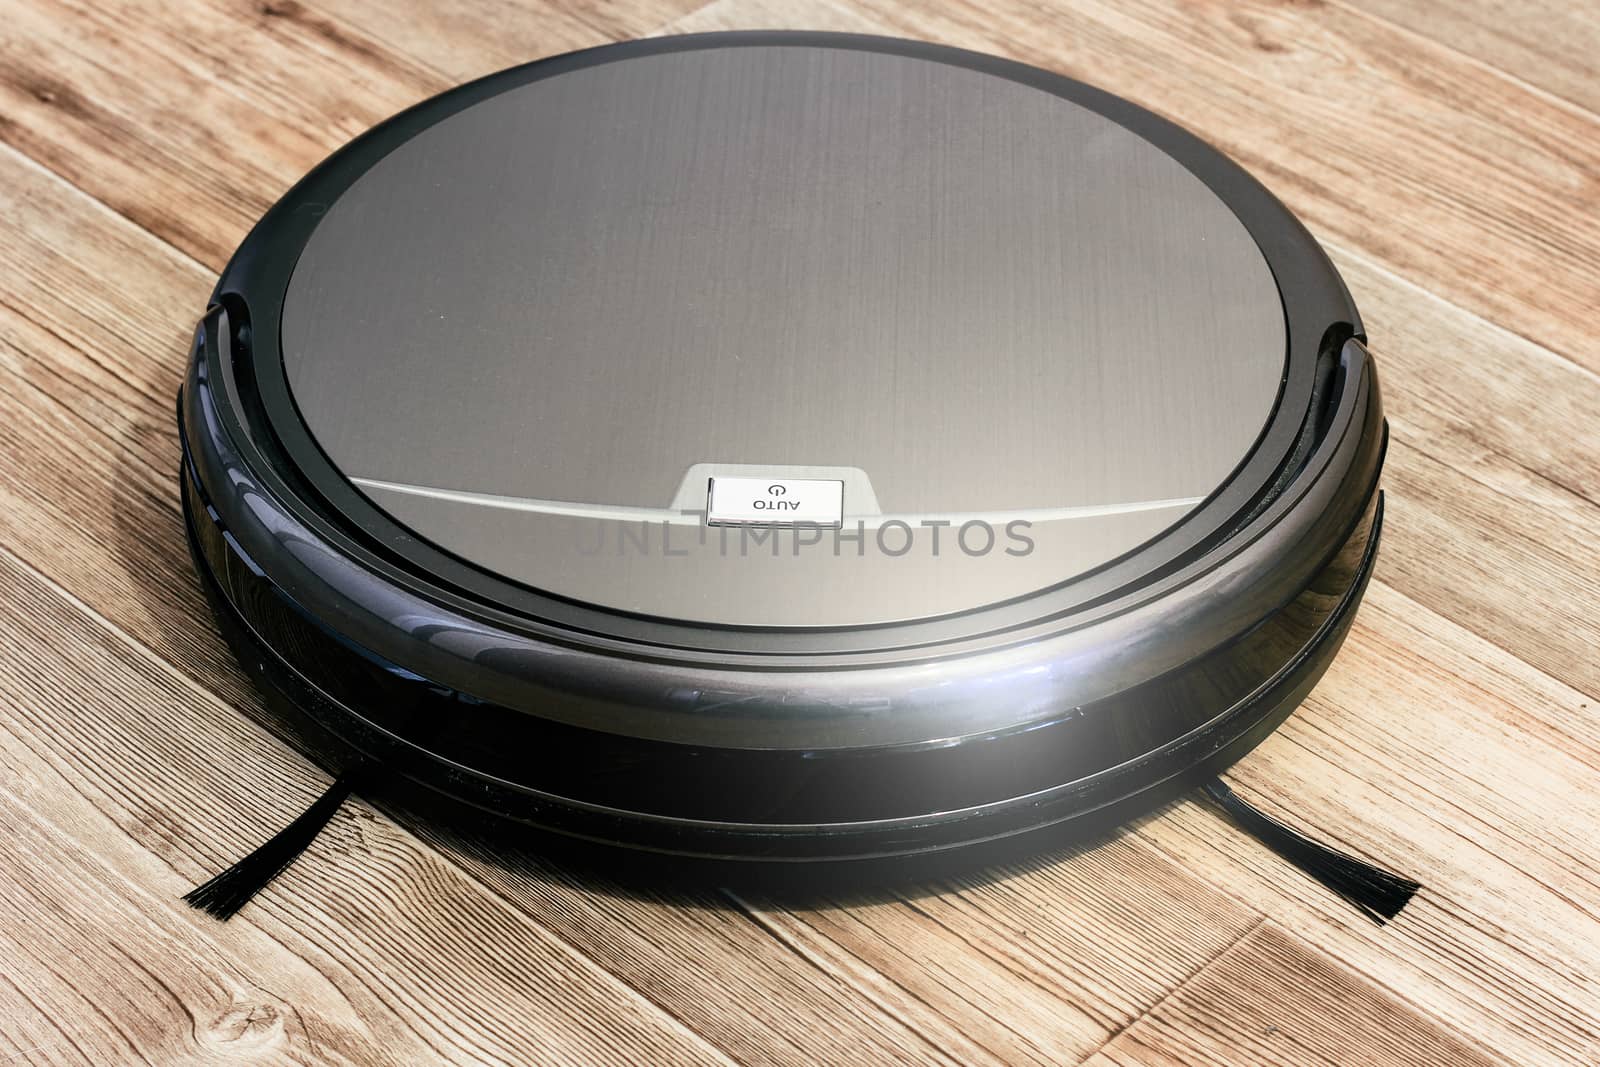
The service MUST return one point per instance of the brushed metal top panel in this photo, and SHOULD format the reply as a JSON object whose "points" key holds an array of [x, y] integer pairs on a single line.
{"points": [[989, 299]]}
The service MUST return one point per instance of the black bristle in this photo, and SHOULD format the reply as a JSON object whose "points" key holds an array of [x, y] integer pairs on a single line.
{"points": [[1377, 892], [232, 889]]}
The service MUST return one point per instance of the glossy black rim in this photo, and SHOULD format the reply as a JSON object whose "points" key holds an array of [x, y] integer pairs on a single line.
{"points": [[351, 716]]}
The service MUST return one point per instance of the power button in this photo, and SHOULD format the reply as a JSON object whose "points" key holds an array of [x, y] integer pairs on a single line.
{"points": [[775, 502]]}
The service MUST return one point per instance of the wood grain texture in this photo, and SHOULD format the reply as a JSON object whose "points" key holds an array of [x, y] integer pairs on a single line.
{"points": [[513, 993], [1451, 170], [1269, 999], [1547, 43]]}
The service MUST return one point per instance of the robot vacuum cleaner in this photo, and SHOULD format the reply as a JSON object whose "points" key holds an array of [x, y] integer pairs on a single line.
{"points": [[791, 451]]}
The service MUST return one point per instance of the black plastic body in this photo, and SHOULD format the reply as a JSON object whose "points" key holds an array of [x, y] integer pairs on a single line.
{"points": [[591, 723]]}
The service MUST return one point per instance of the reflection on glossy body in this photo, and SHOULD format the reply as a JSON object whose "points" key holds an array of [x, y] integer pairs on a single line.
{"points": [[1071, 706]]}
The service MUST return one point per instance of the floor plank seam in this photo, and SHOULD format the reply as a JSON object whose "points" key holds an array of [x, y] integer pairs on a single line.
{"points": [[113, 444], [45, 327], [760, 920], [1400, 996], [1488, 639], [1416, 605], [510, 905], [1183, 983], [1002, 962], [1533, 474], [176, 251], [1547, 95], [1400, 277]]}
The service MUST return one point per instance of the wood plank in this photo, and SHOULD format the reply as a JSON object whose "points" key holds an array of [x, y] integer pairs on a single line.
{"points": [[1437, 754], [1040, 963], [247, 100], [1553, 44], [1459, 178], [163, 987], [831, 15], [1271, 1000], [621, 19], [465, 41], [754, 997], [252, 94], [94, 499], [119, 738]]}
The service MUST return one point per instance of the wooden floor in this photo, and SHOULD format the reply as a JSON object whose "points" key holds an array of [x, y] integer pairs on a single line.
{"points": [[1448, 155]]}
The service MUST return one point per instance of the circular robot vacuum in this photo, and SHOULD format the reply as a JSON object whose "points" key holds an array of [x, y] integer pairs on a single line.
{"points": [[783, 448]]}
